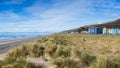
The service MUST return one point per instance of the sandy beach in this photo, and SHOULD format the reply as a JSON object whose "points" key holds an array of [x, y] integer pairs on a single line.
{"points": [[6, 46]]}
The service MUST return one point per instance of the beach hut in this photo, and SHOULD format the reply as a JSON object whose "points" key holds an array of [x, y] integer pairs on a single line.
{"points": [[115, 31], [118, 31], [106, 31], [95, 30], [91, 30], [110, 31]]}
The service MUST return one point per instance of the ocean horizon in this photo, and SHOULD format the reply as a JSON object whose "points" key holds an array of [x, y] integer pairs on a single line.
{"points": [[7, 36]]}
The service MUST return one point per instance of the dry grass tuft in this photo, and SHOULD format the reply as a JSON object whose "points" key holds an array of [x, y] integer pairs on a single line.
{"points": [[68, 50]]}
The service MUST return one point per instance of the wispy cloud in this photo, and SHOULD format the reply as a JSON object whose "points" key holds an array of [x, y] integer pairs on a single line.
{"points": [[8, 15], [14, 1], [59, 15]]}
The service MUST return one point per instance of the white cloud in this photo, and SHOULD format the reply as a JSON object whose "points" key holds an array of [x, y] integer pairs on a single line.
{"points": [[59, 11], [58, 16], [8, 15], [14, 1]]}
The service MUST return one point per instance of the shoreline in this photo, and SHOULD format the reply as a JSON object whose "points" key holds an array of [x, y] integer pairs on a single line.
{"points": [[6, 46]]}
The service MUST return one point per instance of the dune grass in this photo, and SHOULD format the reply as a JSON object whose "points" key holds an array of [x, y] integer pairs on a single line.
{"points": [[68, 50]]}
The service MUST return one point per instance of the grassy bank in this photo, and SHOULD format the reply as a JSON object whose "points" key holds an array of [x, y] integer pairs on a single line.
{"points": [[67, 51]]}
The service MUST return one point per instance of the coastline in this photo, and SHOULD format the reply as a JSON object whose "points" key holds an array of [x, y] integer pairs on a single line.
{"points": [[6, 46]]}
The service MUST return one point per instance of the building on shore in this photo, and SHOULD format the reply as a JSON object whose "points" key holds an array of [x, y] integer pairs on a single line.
{"points": [[95, 30], [105, 31]]}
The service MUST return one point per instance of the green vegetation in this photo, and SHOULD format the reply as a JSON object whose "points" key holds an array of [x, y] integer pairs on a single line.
{"points": [[11, 63], [68, 51]]}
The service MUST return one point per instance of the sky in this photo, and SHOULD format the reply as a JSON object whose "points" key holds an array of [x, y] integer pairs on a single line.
{"points": [[55, 15]]}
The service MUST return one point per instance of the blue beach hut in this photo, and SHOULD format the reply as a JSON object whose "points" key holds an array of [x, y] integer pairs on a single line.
{"points": [[95, 30], [115, 31]]}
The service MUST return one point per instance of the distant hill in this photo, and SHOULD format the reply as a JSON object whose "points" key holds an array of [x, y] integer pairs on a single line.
{"points": [[113, 24]]}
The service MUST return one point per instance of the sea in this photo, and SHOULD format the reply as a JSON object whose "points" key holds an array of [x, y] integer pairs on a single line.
{"points": [[7, 36]]}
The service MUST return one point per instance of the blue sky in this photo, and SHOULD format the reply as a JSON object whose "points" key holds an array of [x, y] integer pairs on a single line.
{"points": [[55, 15]]}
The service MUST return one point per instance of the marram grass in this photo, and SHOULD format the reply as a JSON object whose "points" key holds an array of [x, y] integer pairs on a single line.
{"points": [[68, 51], [107, 62]]}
